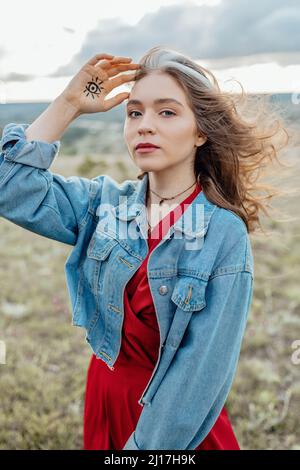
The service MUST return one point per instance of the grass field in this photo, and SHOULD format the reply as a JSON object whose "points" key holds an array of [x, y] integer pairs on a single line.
{"points": [[42, 383]]}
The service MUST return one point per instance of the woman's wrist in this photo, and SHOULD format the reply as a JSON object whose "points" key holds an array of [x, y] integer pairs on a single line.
{"points": [[53, 122], [71, 111]]}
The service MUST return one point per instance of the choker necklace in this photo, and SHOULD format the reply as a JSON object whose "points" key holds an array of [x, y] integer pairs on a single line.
{"points": [[162, 199]]}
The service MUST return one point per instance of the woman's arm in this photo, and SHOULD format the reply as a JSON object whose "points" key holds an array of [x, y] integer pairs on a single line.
{"points": [[77, 98], [33, 197], [53, 122], [195, 387], [30, 195]]}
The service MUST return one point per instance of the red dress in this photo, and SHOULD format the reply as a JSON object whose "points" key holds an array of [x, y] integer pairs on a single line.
{"points": [[111, 409]]}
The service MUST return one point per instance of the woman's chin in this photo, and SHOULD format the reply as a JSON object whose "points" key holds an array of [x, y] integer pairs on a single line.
{"points": [[148, 164], [148, 167]]}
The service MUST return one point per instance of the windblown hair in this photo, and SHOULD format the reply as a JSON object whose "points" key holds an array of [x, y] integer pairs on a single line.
{"points": [[238, 147]]}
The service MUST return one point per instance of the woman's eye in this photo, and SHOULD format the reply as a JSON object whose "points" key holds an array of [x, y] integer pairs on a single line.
{"points": [[165, 111], [130, 113]]}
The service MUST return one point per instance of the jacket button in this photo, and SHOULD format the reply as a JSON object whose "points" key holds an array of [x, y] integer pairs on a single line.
{"points": [[163, 290]]}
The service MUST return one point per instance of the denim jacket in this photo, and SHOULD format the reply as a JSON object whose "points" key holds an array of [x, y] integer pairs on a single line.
{"points": [[200, 276]]}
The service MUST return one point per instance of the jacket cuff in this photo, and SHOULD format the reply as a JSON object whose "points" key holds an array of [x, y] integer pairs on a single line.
{"points": [[16, 148], [131, 444]]}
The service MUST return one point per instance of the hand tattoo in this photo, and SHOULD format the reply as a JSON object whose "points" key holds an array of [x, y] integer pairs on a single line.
{"points": [[93, 87]]}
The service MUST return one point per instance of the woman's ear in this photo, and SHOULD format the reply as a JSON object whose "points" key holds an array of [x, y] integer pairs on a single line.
{"points": [[201, 139]]}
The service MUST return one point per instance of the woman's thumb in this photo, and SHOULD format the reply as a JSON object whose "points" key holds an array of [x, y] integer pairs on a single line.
{"points": [[115, 100]]}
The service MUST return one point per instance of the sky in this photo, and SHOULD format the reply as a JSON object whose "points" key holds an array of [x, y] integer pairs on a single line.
{"points": [[44, 43]]}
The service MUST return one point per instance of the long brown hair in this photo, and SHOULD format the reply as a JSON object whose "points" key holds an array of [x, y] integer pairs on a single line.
{"points": [[244, 134]]}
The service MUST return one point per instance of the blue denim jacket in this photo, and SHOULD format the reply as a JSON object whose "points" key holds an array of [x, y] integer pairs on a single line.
{"points": [[200, 276]]}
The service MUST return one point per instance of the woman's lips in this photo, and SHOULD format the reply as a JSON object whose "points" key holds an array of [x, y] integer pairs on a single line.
{"points": [[146, 149]]}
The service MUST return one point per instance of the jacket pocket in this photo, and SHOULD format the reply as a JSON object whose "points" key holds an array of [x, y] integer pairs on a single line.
{"points": [[189, 297], [98, 252], [189, 293]]}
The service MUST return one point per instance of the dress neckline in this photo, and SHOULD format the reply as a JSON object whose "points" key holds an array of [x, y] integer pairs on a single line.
{"points": [[176, 212]]}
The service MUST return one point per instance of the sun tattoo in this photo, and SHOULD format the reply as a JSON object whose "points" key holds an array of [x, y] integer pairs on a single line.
{"points": [[93, 87]]}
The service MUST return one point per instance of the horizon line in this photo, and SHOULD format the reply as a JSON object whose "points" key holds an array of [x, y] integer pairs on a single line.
{"points": [[247, 93]]}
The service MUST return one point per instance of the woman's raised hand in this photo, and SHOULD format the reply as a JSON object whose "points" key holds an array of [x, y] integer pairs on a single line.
{"points": [[88, 88]]}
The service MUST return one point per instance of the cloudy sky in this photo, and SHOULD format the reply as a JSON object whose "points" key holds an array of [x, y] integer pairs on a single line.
{"points": [[44, 43]]}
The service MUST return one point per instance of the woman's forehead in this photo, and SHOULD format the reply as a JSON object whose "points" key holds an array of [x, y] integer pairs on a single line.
{"points": [[156, 89]]}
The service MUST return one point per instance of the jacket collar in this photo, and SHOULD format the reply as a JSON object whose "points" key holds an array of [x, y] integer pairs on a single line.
{"points": [[194, 221]]}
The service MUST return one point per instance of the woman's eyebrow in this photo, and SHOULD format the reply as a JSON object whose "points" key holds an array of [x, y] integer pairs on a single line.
{"points": [[157, 101]]}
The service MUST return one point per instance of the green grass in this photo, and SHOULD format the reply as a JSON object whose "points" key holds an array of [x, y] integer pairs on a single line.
{"points": [[42, 384]]}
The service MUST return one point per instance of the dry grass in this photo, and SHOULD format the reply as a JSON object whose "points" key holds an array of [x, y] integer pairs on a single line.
{"points": [[42, 383]]}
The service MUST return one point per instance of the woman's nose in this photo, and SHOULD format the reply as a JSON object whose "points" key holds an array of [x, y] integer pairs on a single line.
{"points": [[145, 130], [146, 124]]}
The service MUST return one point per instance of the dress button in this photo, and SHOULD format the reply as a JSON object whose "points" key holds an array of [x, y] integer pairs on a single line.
{"points": [[163, 290]]}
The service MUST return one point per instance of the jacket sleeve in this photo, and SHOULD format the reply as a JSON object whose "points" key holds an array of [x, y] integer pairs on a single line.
{"points": [[33, 197], [194, 389]]}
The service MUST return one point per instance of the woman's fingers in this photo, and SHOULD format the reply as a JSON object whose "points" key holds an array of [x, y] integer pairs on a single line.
{"points": [[121, 68], [115, 100], [111, 58], [107, 64], [97, 57], [114, 82], [121, 59]]}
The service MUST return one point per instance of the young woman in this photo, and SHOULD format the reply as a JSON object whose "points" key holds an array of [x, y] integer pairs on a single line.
{"points": [[163, 284]]}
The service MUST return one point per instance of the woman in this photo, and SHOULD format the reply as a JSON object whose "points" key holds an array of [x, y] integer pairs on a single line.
{"points": [[166, 329]]}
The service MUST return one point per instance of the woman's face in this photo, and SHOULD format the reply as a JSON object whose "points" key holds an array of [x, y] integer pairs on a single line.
{"points": [[169, 125]]}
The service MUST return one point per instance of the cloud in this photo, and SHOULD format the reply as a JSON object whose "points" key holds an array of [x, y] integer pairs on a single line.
{"points": [[242, 28], [17, 77], [227, 33], [281, 58], [68, 30]]}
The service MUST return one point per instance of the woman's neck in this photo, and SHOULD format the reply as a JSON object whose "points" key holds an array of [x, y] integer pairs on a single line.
{"points": [[168, 189]]}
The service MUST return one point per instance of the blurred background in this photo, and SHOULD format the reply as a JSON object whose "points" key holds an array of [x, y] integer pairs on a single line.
{"points": [[42, 45]]}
